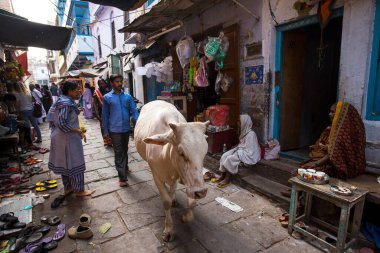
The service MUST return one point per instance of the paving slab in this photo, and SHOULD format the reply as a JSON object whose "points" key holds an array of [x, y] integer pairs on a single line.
{"points": [[142, 213], [140, 241], [192, 246], [139, 177], [104, 186], [138, 166], [91, 176], [264, 230], [109, 172], [136, 193], [291, 245], [103, 204], [94, 165]]}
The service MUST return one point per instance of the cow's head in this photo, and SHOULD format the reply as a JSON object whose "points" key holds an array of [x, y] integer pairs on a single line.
{"points": [[188, 152]]}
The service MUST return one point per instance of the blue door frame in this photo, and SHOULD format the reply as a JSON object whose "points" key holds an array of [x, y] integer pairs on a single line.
{"points": [[373, 96], [279, 60]]}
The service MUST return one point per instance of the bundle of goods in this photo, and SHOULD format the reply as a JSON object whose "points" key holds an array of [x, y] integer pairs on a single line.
{"points": [[163, 70], [218, 115], [185, 50], [216, 49]]}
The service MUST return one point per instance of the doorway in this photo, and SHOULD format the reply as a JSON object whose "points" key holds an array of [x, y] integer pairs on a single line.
{"points": [[309, 84]]}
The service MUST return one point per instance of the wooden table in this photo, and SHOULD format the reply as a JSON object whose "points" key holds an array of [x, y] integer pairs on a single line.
{"points": [[344, 202]]}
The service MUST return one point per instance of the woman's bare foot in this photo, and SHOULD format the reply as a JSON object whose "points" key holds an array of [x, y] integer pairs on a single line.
{"points": [[85, 193]]}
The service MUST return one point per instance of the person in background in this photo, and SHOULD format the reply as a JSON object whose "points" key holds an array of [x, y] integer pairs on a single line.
{"points": [[66, 151], [37, 95], [10, 102], [54, 92], [247, 152], [25, 106], [117, 108], [47, 99], [87, 101], [98, 103]]}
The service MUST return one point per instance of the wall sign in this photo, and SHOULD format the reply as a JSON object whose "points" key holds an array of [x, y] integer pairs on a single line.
{"points": [[254, 75]]}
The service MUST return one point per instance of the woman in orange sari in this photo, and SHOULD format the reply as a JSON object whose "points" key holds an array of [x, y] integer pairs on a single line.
{"points": [[340, 151]]}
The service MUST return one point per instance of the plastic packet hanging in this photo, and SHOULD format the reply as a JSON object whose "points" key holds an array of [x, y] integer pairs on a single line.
{"points": [[201, 76], [226, 83], [218, 81], [185, 50]]}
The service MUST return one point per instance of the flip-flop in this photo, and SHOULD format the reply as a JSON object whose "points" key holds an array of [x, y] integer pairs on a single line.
{"points": [[43, 150], [36, 236], [51, 220], [50, 246], [52, 186], [223, 185], [43, 229], [41, 189], [57, 201], [60, 233], [31, 246], [53, 181], [16, 225]]}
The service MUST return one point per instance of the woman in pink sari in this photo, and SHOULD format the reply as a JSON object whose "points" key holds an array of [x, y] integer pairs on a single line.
{"points": [[87, 102]]}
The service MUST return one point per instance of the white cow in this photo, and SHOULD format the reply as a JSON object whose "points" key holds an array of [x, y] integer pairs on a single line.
{"points": [[174, 150]]}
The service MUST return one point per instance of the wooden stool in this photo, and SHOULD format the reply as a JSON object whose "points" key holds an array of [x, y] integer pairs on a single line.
{"points": [[344, 202]]}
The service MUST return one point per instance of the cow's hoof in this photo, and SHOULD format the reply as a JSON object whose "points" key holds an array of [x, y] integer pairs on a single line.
{"points": [[168, 237], [175, 203]]}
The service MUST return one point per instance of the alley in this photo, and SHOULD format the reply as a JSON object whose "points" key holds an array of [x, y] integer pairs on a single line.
{"points": [[137, 216]]}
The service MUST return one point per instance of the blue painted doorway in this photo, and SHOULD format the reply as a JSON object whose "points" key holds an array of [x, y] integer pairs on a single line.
{"points": [[308, 83]]}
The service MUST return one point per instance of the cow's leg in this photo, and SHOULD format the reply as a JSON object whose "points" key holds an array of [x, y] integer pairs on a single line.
{"points": [[188, 215], [168, 235], [172, 194]]}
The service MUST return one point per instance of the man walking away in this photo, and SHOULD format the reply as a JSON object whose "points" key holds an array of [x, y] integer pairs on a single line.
{"points": [[117, 108], [54, 92]]}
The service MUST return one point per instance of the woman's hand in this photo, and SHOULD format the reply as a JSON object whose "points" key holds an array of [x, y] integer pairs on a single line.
{"points": [[83, 137]]}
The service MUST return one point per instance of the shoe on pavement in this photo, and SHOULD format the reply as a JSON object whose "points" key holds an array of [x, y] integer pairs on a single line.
{"points": [[80, 232], [85, 220]]}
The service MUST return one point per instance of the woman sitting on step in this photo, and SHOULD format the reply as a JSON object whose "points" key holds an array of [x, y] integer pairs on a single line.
{"points": [[248, 152]]}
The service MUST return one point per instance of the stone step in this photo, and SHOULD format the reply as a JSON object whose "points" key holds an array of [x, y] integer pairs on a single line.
{"points": [[265, 186]]}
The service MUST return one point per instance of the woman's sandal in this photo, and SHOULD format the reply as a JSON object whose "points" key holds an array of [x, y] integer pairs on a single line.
{"points": [[223, 185], [284, 220], [208, 176]]}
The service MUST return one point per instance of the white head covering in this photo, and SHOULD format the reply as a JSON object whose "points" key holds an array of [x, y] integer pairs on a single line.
{"points": [[245, 125]]}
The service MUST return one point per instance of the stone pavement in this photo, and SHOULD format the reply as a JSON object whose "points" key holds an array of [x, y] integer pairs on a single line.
{"points": [[137, 215]]}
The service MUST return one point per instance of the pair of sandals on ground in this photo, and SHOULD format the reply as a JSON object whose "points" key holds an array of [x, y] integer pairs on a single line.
{"points": [[222, 181], [30, 238]]}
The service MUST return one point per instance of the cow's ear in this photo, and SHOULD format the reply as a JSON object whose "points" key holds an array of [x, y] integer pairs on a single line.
{"points": [[160, 139]]}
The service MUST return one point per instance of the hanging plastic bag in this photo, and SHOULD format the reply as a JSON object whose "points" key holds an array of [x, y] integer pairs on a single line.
{"points": [[201, 77], [212, 48], [218, 81], [272, 150], [185, 50], [226, 83]]}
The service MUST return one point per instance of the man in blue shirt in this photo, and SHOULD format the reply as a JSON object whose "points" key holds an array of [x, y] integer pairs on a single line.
{"points": [[116, 111]]}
